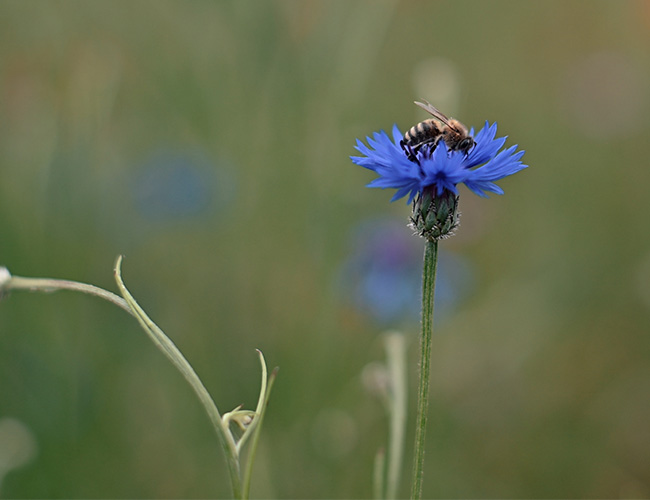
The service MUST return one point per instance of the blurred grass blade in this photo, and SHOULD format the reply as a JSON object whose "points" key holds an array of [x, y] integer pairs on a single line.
{"points": [[379, 475], [395, 343]]}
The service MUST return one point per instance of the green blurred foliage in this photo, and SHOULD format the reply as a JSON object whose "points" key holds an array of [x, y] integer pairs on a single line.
{"points": [[541, 380]]}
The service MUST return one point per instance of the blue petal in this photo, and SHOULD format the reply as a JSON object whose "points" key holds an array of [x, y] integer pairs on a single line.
{"points": [[506, 163], [480, 187]]}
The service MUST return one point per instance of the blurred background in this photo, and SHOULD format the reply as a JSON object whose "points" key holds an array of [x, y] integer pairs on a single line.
{"points": [[209, 142]]}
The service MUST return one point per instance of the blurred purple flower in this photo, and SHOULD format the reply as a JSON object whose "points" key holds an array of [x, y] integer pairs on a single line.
{"points": [[382, 277]]}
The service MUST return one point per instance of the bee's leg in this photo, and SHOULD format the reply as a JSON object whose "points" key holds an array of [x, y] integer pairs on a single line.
{"points": [[408, 151], [432, 144]]}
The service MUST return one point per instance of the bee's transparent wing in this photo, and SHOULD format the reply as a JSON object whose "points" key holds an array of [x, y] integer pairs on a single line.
{"points": [[429, 108]]}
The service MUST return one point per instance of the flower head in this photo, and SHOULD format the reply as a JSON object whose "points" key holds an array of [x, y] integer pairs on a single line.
{"points": [[432, 176], [441, 168]]}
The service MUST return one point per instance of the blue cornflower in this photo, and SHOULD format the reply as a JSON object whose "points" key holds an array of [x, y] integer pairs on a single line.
{"points": [[441, 168], [432, 179]]}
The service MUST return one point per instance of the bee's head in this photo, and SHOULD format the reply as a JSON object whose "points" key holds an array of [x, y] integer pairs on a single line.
{"points": [[466, 144]]}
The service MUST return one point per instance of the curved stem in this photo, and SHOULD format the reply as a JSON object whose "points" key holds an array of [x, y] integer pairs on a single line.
{"points": [[428, 289], [174, 355], [10, 283], [259, 417], [49, 285]]}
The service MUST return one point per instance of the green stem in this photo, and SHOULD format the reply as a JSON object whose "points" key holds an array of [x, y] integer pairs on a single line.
{"points": [[10, 283], [49, 285], [428, 289], [173, 354], [259, 416]]}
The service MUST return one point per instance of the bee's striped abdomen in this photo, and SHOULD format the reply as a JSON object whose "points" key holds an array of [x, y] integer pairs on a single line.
{"points": [[431, 132], [425, 132]]}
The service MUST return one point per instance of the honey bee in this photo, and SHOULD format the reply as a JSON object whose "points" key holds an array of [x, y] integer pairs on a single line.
{"points": [[430, 132]]}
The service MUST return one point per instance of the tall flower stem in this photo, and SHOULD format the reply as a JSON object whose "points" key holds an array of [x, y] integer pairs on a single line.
{"points": [[428, 289]]}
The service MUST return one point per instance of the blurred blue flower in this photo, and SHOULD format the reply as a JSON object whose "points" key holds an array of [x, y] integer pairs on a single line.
{"points": [[180, 184], [441, 169], [382, 276]]}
